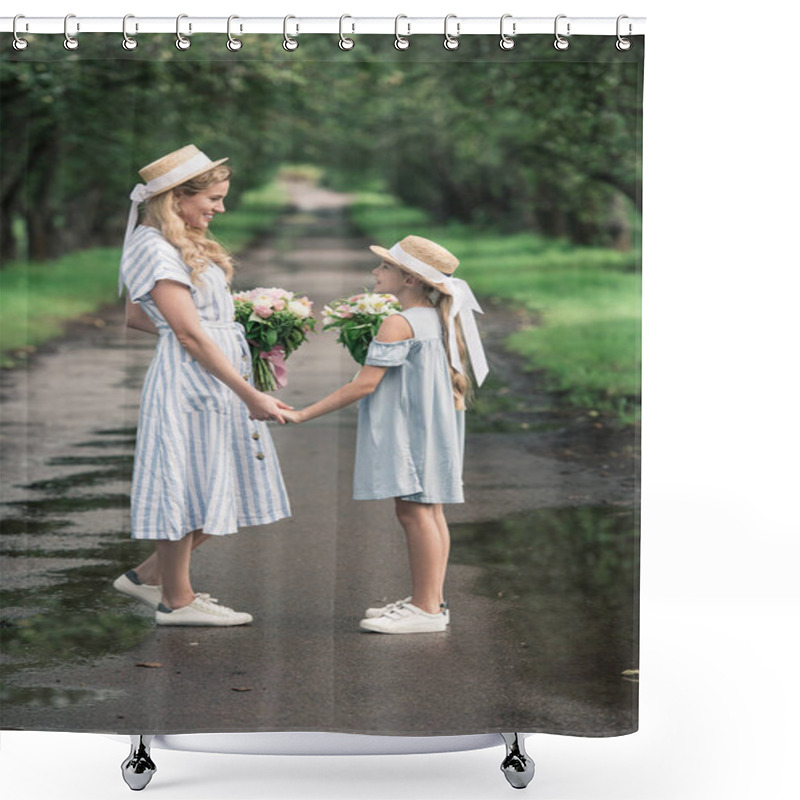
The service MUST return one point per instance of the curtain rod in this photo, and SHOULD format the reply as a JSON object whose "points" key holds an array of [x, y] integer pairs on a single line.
{"points": [[402, 25]]}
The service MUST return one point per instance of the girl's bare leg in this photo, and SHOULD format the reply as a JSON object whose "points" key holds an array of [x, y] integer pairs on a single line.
{"points": [[444, 538], [173, 560], [426, 553], [149, 570]]}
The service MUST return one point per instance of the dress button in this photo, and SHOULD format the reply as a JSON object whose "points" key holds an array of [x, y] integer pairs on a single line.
{"points": [[246, 375], [260, 456], [256, 435]]}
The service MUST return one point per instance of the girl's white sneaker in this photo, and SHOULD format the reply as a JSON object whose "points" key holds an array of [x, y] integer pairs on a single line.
{"points": [[371, 613], [405, 618]]}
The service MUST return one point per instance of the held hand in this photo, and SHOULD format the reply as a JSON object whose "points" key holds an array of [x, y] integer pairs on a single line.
{"points": [[266, 407], [293, 416]]}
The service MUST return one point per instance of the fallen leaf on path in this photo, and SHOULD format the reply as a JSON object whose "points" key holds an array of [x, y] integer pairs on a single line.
{"points": [[241, 689], [150, 664]]}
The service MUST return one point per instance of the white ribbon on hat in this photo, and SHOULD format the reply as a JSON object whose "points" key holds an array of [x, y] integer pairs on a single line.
{"points": [[144, 191], [464, 306]]}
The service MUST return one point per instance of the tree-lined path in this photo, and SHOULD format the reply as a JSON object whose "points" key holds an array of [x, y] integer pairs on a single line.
{"points": [[533, 655]]}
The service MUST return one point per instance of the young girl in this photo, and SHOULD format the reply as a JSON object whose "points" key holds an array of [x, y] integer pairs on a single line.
{"points": [[410, 441]]}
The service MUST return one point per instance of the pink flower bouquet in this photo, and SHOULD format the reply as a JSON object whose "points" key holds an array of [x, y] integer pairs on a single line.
{"points": [[357, 319], [275, 323]]}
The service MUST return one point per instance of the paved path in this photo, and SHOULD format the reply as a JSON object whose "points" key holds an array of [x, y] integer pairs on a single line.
{"points": [[303, 664]]}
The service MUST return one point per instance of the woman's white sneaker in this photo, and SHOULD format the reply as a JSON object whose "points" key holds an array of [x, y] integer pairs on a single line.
{"points": [[129, 584], [204, 611], [405, 618]]}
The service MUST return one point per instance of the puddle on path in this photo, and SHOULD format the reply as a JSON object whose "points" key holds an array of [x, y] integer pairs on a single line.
{"points": [[59, 560], [565, 581], [54, 697]]}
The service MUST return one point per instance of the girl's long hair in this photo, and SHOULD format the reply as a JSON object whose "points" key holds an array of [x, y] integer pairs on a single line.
{"points": [[196, 247], [462, 385]]}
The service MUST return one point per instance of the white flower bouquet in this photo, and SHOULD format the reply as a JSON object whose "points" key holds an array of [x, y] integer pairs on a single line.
{"points": [[276, 323], [357, 319]]}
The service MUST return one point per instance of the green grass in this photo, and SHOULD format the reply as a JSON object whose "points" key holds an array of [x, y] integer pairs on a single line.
{"points": [[583, 302], [37, 299]]}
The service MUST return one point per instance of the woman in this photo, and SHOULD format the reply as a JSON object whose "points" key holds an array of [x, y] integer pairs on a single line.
{"points": [[204, 463]]}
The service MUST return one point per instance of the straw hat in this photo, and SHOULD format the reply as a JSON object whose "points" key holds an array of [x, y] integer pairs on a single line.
{"points": [[423, 258], [176, 168]]}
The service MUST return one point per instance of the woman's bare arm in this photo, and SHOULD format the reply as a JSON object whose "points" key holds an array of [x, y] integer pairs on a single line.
{"points": [[136, 318], [174, 301]]}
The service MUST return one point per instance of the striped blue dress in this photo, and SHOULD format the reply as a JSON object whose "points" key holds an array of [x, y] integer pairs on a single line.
{"points": [[410, 440], [200, 462]]}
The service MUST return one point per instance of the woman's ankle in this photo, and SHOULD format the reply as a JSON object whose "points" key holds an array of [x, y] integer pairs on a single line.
{"points": [[146, 577], [177, 601]]}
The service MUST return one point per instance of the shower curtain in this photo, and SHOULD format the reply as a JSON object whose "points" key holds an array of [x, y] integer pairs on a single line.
{"points": [[526, 164]]}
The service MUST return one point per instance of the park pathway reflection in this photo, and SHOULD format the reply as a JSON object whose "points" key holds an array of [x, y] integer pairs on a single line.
{"points": [[541, 586]]}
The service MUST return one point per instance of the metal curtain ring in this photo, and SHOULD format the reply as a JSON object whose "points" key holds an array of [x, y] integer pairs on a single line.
{"points": [[451, 42], [345, 43], [623, 43], [18, 43], [561, 43], [233, 44], [400, 42], [128, 42], [70, 43], [507, 42], [289, 44], [181, 42]]}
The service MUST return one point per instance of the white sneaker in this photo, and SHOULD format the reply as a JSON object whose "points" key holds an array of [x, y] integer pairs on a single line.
{"points": [[148, 593], [371, 613], [130, 585], [202, 611], [405, 618]]}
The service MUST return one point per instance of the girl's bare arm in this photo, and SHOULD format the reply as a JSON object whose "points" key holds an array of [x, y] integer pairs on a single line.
{"points": [[393, 329]]}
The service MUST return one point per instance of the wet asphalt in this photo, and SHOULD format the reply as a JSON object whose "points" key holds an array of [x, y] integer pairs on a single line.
{"points": [[541, 584]]}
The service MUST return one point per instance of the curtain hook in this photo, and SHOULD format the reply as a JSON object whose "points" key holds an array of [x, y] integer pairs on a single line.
{"points": [[128, 42], [451, 42], [289, 44], [623, 43], [233, 44], [561, 43], [345, 43], [400, 42], [181, 42], [507, 42], [19, 43], [70, 43]]}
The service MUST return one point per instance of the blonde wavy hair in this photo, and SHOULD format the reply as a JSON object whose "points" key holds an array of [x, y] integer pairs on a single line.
{"points": [[462, 385], [197, 248]]}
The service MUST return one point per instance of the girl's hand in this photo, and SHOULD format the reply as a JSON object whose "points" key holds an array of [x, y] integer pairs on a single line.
{"points": [[293, 416], [264, 407]]}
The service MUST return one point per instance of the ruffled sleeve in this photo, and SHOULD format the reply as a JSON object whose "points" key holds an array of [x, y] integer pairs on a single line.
{"points": [[388, 354], [148, 258]]}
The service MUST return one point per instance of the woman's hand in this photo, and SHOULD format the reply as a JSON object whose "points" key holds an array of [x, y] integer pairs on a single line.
{"points": [[265, 407]]}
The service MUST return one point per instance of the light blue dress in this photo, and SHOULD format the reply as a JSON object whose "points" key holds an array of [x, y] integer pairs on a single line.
{"points": [[410, 441], [200, 462]]}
